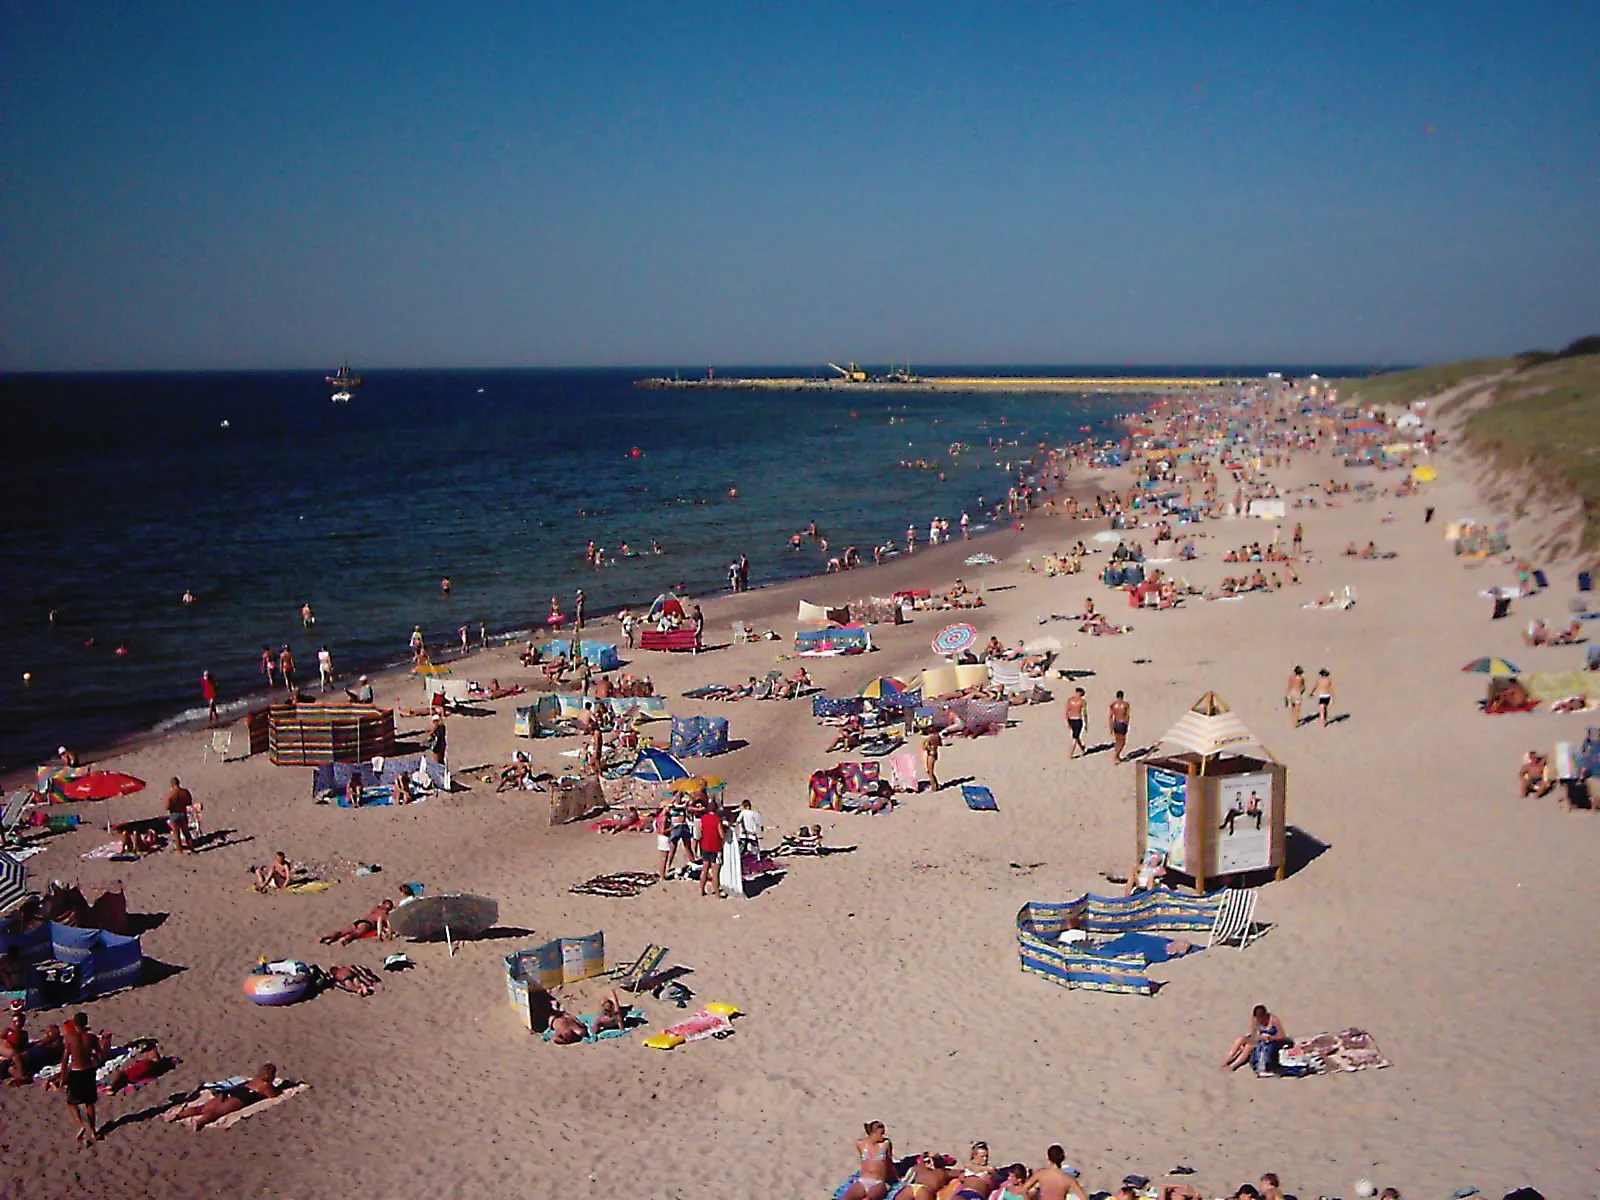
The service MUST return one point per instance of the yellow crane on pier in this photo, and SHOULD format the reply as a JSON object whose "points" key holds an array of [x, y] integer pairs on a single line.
{"points": [[853, 375]]}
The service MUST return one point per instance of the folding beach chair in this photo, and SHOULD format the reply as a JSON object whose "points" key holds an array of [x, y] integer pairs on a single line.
{"points": [[11, 819], [219, 743], [632, 977], [1235, 919]]}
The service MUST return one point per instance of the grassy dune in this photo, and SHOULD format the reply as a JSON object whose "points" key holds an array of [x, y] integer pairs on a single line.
{"points": [[1538, 415]]}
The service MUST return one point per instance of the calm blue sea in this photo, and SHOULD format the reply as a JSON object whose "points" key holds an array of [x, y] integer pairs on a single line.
{"points": [[122, 491]]}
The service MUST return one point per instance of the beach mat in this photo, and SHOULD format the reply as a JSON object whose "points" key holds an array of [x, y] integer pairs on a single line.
{"points": [[979, 799], [1327, 1053], [616, 884], [109, 850], [634, 1020]]}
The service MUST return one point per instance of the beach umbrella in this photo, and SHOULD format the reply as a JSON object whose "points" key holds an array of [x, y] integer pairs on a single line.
{"points": [[426, 667], [657, 766], [953, 639], [13, 882], [1425, 474], [1108, 536], [1496, 668], [100, 785], [884, 685], [696, 783], [450, 917]]}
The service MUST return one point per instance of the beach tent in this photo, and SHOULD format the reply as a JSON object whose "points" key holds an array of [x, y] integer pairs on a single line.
{"points": [[667, 605], [817, 614], [657, 766], [1210, 728]]}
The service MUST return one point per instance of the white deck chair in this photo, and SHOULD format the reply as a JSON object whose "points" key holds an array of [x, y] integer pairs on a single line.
{"points": [[743, 632], [1235, 918], [11, 818], [219, 743]]}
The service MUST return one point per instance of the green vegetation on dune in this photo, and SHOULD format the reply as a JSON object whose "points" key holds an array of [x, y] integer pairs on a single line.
{"points": [[1545, 420], [1400, 388]]}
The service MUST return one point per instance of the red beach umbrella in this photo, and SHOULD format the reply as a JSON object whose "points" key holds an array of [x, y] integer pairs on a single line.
{"points": [[101, 785]]}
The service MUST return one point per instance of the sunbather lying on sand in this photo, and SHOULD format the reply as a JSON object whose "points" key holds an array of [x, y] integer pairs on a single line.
{"points": [[262, 1087], [375, 922], [358, 981], [566, 1029], [148, 1064]]}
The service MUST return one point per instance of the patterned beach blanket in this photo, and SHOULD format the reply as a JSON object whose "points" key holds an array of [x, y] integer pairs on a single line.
{"points": [[1347, 1050]]}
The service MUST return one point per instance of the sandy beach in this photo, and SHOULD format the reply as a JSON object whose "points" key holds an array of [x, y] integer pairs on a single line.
{"points": [[1429, 905]]}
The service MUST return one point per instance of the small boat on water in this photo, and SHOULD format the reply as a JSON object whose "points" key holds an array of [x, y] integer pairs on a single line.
{"points": [[342, 382]]}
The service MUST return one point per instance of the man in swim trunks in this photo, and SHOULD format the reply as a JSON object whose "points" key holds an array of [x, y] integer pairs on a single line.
{"points": [[928, 1176], [14, 1044], [1077, 704], [179, 801], [80, 1060], [1119, 713]]}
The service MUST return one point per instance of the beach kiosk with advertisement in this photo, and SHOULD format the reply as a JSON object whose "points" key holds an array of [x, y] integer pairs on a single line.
{"points": [[1212, 801]]}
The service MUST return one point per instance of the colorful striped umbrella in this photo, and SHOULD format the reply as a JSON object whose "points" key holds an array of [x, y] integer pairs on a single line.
{"points": [[953, 639], [884, 685], [1496, 668]]}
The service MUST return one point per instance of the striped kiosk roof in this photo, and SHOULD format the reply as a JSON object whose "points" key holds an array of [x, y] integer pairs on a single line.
{"points": [[1210, 728]]}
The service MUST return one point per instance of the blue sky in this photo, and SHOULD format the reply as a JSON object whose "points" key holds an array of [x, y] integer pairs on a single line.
{"points": [[1099, 181]]}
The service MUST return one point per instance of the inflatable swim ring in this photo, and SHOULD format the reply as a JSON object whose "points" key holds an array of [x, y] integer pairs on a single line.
{"points": [[278, 983]]}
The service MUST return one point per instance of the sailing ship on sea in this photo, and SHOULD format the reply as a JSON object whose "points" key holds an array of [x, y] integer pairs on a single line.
{"points": [[343, 383]]}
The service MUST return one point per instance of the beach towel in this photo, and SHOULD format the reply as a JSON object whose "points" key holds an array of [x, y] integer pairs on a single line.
{"points": [[109, 850], [23, 853], [704, 1024], [1151, 947], [632, 1021], [119, 1057], [307, 887], [250, 1110], [1348, 1050], [615, 884], [979, 799]]}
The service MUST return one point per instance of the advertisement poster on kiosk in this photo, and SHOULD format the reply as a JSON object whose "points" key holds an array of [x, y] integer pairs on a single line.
{"points": [[1166, 804], [1243, 839]]}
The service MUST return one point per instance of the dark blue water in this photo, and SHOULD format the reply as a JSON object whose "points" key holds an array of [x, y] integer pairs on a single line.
{"points": [[120, 492]]}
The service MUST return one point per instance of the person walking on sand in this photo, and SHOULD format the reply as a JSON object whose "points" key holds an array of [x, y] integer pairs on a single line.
{"points": [[930, 757], [1324, 693], [911, 539], [286, 669], [208, 690], [483, 634], [1077, 704], [325, 668], [1299, 536], [80, 1059], [462, 633], [1117, 717], [1294, 694]]}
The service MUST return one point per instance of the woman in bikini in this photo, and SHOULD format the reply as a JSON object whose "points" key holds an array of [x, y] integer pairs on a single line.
{"points": [[977, 1178], [876, 1153], [928, 1176]]}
